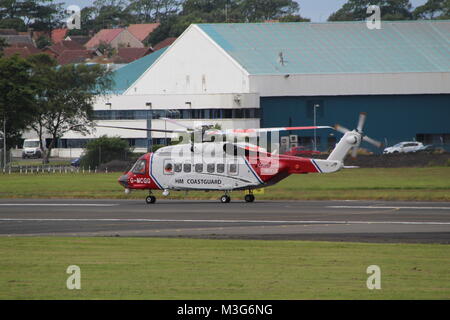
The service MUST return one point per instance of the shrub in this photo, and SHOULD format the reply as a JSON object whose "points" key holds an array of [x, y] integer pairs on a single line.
{"points": [[105, 149]]}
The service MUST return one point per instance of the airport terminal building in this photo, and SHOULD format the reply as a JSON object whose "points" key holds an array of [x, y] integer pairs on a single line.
{"points": [[283, 74]]}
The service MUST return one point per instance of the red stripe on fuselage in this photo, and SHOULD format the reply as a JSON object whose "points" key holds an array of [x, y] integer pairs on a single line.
{"points": [[270, 167]]}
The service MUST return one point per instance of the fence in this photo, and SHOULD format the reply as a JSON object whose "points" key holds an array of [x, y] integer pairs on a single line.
{"points": [[49, 169]]}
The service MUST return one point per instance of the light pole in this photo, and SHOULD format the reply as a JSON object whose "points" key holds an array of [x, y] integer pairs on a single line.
{"points": [[149, 126], [4, 143], [315, 124]]}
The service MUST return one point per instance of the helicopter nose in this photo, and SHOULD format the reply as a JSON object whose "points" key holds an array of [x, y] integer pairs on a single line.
{"points": [[123, 180]]}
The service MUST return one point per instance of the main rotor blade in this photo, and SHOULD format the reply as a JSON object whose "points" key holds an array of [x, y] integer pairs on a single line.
{"points": [[142, 129], [177, 123], [373, 142], [341, 129], [261, 130], [362, 121]]}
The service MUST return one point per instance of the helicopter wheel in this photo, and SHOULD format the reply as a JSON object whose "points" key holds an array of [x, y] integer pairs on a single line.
{"points": [[249, 198], [225, 199], [150, 199]]}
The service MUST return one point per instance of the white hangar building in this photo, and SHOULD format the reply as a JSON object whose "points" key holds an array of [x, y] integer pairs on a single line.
{"points": [[281, 74]]}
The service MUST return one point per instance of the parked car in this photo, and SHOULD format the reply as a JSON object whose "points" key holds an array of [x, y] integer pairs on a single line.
{"points": [[405, 147], [31, 149], [76, 162], [300, 151]]}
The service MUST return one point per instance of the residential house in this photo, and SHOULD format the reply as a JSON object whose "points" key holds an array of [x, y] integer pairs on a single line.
{"points": [[59, 35], [127, 55], [164, 44], [116, 38], [79, 39], [143, 31]]}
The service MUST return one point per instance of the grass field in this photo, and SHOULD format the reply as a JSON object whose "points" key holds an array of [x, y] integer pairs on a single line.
{"points": [[120, 268], [426, 184]]}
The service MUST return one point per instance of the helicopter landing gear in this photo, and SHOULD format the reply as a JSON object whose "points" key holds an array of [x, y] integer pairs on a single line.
{"points": [[225, 199], [151, 199], [249, 198]]}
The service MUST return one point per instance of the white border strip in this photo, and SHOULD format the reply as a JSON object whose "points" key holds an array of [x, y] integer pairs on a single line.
{"points": [[231, 221]]}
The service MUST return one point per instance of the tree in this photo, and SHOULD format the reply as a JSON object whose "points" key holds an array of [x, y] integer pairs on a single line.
{"points": [[153, 10], [66, 95], [13, 23], [3, 45], [38, 14], [222, 11], [262, 10], [105, 149], [433, 9], [43, 42], [294, 18], [106, 49], [16, 97], [356, 10]]}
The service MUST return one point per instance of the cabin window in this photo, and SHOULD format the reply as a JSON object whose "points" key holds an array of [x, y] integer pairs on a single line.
{"points": [[233, 168], [220, 168], [211, 168], [199, 168], [187, 168], [178, 167], [168, 168]]}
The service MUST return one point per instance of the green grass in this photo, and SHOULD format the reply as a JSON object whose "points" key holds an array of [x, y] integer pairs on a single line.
{"points": [[145, 268], [418, 184]]}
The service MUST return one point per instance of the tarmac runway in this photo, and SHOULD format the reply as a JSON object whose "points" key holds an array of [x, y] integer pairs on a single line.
{"points": [[362, 221]]}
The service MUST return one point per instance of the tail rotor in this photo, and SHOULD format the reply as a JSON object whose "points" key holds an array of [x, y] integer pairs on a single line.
{"points": [[355, 137]]}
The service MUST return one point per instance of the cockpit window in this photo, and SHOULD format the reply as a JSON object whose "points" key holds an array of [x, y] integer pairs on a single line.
{"points": [[139, 167]]}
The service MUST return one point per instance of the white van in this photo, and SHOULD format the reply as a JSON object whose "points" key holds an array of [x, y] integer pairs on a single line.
{"points": [[31, 149]]}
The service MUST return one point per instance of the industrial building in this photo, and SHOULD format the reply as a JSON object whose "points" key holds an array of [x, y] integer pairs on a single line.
{"points": [[282, 74]]}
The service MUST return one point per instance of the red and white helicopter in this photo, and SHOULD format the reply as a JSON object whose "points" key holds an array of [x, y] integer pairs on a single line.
{"points": [[229, 166]]}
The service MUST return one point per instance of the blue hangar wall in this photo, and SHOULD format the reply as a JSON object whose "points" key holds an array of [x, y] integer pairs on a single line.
{"points": [[391, 118]]}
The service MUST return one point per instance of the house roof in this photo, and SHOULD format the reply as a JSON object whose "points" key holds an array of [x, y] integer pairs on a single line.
{"points": [[335, 47], [16, 39], [80, 39], [8, 32], [127, 55], [127, 75], [59, 35], [142, 31], [65, 45], [23, 52], [74, 56], [165, 43], [105, 35]]}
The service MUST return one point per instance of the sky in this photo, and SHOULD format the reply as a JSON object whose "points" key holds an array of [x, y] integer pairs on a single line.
{"points": [[316, 10]]}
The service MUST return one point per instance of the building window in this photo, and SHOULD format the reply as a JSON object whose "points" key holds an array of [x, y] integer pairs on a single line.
{"points": [[187, 114], [443, 138], [308, 142]]}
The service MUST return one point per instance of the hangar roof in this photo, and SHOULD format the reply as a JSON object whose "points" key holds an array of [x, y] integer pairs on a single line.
{"points": [[127, 75], [335, 47]]}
